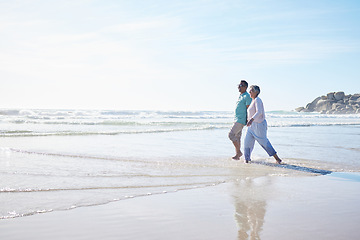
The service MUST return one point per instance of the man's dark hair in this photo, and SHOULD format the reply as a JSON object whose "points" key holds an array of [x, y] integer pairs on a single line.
{"points": [[244, 82]]}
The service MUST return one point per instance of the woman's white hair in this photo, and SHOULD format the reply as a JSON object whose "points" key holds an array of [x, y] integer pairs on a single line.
{"points": [[256, 88]]}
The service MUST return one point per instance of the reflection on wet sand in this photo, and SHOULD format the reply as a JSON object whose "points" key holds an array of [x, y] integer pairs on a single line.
{"points": [[250, 196]]}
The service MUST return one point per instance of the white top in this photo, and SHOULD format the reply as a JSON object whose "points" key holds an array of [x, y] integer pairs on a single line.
{"points": [[256, 110]]}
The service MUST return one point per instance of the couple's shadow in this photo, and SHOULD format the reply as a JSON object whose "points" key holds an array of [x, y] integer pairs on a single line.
{"points": [[294, 167]]}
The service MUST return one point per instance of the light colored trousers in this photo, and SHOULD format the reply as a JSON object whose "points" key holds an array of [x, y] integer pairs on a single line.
{"points": [[235, 132], [257, 131]]}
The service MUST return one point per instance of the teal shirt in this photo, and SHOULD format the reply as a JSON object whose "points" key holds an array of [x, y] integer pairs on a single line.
{"points": [[241, 110]]}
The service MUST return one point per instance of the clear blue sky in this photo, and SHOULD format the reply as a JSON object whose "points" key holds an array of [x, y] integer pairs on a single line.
{"points": [[175, 55]]}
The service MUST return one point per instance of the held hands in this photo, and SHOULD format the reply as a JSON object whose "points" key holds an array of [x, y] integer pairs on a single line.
{"points": [[250, 122]]}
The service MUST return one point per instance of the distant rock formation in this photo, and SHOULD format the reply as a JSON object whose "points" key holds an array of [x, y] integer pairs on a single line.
{"points": [[334, 103]]}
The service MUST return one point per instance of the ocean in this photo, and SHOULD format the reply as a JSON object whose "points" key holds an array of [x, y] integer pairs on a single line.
{"points": [[55, 160]]}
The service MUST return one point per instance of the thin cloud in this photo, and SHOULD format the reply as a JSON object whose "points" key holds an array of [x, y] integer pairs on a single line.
{"points": [[136, 26]]}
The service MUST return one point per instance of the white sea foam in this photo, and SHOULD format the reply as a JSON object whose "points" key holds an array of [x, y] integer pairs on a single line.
{"points": [[19, 123]]}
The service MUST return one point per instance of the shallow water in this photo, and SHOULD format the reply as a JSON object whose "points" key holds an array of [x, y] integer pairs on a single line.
{"points": [[63, 159], [263, 207]]}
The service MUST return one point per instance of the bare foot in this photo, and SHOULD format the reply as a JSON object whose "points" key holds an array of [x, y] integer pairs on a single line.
{"points": [[237, 156]]}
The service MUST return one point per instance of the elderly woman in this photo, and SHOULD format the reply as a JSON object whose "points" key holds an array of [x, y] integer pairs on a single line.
{"points": [[257, 127]]}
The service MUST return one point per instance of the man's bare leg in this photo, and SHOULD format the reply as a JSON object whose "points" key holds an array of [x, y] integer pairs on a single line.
{"points": [[238, 152]]}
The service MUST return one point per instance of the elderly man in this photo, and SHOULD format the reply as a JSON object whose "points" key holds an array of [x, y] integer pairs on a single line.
{"points": [[240, 118]]}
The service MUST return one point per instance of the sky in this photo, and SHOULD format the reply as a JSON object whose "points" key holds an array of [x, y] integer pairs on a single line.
{"points": [[186, 55]]}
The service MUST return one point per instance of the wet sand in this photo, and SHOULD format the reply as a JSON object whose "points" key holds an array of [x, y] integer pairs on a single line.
{"points": [[271, 207]]}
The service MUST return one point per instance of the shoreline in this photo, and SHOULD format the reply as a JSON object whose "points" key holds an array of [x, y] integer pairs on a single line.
{"points": [[269, 207]]}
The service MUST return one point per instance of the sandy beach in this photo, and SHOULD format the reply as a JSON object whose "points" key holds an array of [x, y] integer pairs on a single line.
{"points": [[271, 207]]}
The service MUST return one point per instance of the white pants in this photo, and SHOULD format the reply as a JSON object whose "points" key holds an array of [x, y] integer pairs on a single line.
{"points": [[257, 131]]}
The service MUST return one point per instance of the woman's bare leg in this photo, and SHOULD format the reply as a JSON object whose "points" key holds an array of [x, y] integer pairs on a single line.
{"points": [[278, 160]]}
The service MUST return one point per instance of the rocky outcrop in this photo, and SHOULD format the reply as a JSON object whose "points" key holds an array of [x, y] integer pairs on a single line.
{"points": [[334, 103]]}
